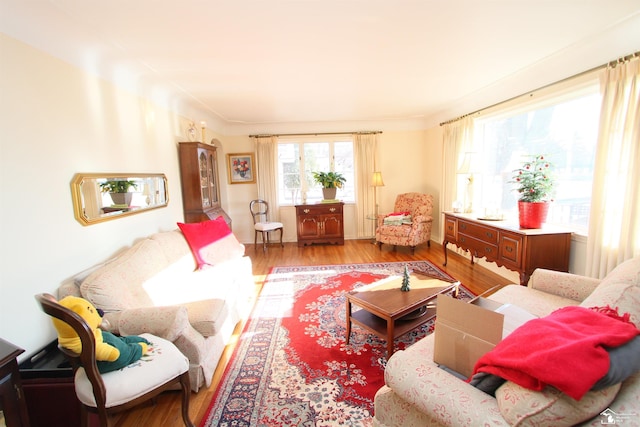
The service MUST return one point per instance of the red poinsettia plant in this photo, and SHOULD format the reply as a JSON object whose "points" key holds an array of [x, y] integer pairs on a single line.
{"points": [[534, 180]]}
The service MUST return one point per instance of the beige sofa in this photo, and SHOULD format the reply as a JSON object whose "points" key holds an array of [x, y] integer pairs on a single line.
{"points": [[419, 393], [155, 287]]}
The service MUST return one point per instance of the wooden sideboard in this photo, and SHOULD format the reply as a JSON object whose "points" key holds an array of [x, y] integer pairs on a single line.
{"points": [[506, 244], [320, 223]]}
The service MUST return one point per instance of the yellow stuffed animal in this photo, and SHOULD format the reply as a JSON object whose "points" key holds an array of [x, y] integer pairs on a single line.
{"points": [[112, 352]]}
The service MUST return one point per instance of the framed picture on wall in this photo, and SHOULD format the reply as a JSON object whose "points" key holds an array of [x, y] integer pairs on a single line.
{"points": [[241, 168]]}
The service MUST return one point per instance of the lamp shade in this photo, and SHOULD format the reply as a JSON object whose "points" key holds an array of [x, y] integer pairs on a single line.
{"points": [[376, 180]]}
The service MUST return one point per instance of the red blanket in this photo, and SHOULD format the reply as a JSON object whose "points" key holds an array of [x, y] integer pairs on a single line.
{"points": [[565, 350]]}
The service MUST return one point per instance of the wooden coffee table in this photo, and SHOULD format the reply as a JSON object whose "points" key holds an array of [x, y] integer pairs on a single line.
{"points": [[389, 312]]}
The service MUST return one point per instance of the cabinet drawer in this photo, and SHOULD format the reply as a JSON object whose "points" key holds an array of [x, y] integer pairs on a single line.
{"points": [[486, 234], [511, 249], [450, 228], [477, 247], [319, 209]]}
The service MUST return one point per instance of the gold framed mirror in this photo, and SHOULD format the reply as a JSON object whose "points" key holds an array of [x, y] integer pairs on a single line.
{"points": [[99, 197]]}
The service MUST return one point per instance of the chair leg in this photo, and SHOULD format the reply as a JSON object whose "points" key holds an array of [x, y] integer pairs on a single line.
{"points": [[255, 240], [281, 244], [264, 243], [102, 415], [413, 250], [186, 394], [84, 416], [428, 243]]}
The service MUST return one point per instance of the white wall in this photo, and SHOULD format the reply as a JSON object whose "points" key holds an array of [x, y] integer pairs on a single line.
{"points": [[56, 121]]}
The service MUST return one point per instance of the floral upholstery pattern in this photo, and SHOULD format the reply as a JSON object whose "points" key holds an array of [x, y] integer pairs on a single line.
{"points": [[420, 206], [418, 392], [155, 287]]}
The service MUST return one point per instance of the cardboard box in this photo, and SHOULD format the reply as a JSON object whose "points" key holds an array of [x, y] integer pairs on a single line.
{"points": [[465, 331]]}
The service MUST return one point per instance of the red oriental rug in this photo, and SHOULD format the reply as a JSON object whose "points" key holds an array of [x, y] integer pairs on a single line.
{"points": [[291, 366]]}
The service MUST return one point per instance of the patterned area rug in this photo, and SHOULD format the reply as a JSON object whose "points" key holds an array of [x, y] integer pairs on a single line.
{"points": [[291, 366]]}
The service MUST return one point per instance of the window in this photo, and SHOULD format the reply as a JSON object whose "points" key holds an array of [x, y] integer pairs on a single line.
{"points": [[565, 130], [297, 159]]}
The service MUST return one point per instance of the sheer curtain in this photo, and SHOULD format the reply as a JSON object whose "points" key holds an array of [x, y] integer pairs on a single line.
{"points": [[364, 150], [266, 179], [457, 139], [614, 226]]}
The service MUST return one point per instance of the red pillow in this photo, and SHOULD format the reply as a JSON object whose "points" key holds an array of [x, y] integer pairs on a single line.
{"points": [[200, 235]]}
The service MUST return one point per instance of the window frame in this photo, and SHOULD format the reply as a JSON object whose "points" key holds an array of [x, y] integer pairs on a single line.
{"points": [[304, 178], [535, 102]]}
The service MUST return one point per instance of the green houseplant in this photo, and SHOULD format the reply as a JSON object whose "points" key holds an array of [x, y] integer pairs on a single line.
{"points": [[118, 189], [534, 184], [330, 182]]}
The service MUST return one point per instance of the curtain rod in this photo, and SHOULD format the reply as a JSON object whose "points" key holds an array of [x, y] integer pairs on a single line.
{"points": [[372, 132], [599, 67]]}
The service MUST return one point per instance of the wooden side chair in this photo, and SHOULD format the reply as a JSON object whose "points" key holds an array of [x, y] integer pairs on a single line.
{"points": [[164, 368], [260, 212]]}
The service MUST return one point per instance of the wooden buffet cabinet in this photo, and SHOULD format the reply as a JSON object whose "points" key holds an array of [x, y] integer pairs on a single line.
{"points": [[320, 223], [200, 182], [521, 250]]}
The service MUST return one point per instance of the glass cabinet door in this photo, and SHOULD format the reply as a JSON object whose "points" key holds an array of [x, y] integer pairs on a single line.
{"points": [[205, 173], [213, 174]]}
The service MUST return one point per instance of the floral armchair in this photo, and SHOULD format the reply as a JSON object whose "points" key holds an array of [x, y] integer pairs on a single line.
{"points": [[416, 226]]}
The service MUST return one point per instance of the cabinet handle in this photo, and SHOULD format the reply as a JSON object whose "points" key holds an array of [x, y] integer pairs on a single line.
{"points": [[306, 211], [488, 250], [508, 249], [463, 225], [332, 210], [489, 234]]}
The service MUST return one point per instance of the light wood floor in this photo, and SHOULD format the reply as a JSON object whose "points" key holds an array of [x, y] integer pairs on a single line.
{"points": [[165, 411]]}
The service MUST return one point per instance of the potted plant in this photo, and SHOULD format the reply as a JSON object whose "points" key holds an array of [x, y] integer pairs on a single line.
{"points": [[118, 189], [330, 182], [534, 184]]}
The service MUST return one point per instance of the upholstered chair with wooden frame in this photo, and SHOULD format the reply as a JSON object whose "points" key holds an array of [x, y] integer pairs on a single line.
{"points": [[415, 229], [164, 368], [260, 212]]}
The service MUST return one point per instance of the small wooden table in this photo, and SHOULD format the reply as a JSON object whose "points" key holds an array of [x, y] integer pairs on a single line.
{"points": [[389, 312]]}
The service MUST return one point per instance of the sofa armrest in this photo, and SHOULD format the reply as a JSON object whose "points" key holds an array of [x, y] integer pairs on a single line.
{"points": [[442, 396], [168, 322], [563, 284]]}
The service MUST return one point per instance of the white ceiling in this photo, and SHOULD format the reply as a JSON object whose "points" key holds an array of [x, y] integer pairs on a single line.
{"points": [[257, 64]]}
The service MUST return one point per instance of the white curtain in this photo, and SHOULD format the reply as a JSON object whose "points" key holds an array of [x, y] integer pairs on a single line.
{"points": [[457, 139], [266, 179], [614, 226], [364, 149]]}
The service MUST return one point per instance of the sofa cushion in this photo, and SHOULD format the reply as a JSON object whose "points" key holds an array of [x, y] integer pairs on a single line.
{"points": [[174, 246], [208, 316], [620, 289], [524, 407], [211, 242], [118, 285]]}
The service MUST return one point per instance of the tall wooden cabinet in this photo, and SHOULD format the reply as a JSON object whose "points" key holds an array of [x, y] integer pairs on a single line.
{"points": [[200, 182], [320, 223]]}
